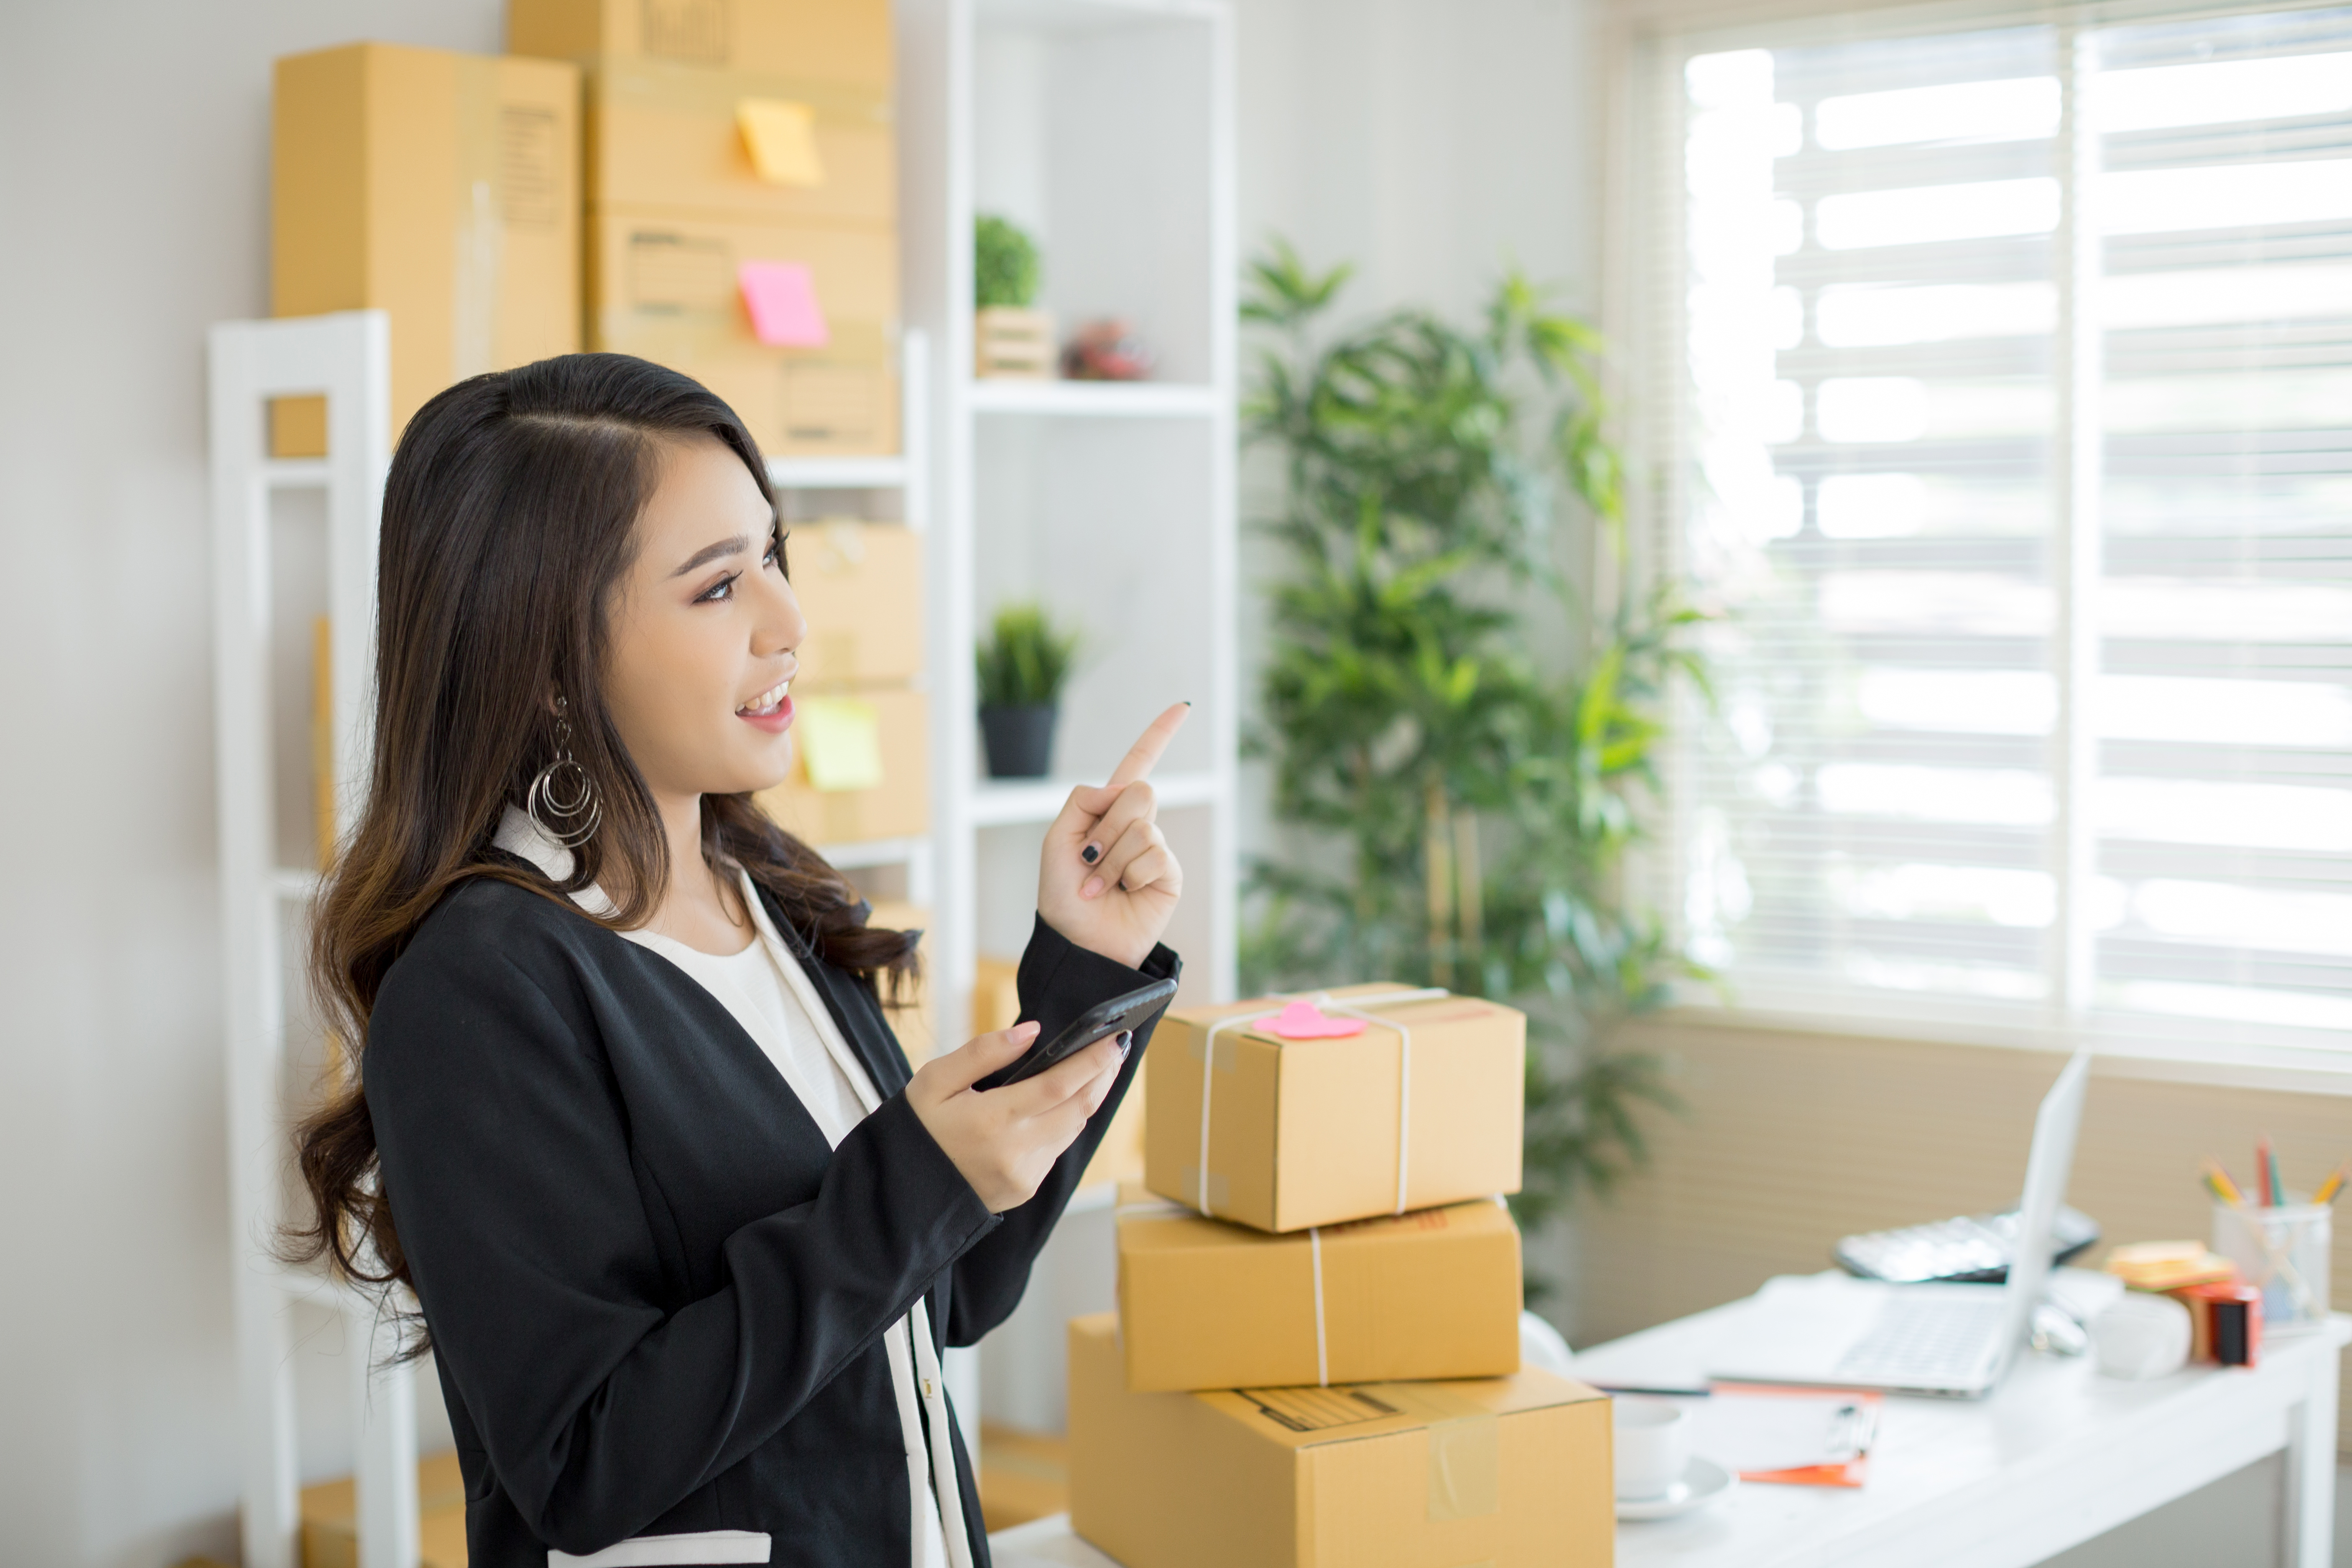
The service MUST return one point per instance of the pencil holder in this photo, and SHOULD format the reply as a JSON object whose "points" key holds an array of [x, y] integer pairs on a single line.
{"points": [[2283, 1253]]}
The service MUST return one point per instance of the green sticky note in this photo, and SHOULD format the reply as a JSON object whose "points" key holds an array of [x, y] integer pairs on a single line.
{"points": [[842, 739]]}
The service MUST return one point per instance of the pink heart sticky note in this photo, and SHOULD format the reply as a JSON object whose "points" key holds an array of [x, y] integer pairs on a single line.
{"points": [[782, 297], [1306, 1021]]}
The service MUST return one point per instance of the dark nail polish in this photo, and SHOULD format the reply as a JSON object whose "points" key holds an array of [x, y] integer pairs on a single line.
{"points": [[1126, 1043], [1090, 854]]}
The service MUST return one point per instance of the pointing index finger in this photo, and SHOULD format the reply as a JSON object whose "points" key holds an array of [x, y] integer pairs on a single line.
{"points": [[1146, 752]]}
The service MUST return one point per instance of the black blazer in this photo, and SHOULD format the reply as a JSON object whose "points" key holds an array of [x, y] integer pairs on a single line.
{"points": [[656, 1298]]}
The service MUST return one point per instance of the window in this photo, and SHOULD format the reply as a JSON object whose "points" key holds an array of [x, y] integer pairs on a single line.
{"points": [[2009, 372]]}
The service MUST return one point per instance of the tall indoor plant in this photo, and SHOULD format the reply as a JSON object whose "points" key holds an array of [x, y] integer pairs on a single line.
{"points": [[1459, 747]]}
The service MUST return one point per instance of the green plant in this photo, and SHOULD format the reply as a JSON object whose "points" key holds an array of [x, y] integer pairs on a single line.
{"points": [[1003, 264], [1462, 803], [1026, 659]]}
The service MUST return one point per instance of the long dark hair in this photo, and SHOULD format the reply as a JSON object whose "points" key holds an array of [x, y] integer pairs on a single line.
{"points": [[509, 515]]}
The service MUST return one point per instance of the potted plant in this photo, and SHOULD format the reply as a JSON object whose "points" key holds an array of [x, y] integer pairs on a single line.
{"points": [[1024, 665], [1008, 336], [1457, 790]]}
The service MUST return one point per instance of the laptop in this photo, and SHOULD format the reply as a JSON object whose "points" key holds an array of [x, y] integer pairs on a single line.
{"points": [[1950, 1341]]}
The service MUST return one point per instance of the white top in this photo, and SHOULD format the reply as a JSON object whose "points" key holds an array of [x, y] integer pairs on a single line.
{"points": [[764, 989]]}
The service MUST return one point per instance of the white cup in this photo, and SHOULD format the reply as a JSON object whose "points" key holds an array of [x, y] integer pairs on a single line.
{"points": [[1653, 1446]]}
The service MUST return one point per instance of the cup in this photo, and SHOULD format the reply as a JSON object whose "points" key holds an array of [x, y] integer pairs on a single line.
{"points": [[2283, 1253], [1653, 1446]]}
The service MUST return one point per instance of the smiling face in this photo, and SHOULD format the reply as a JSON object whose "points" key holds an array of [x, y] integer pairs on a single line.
{"points": [[704, 629]]}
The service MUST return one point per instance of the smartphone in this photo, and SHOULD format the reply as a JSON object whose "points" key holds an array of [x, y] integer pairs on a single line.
{"points": [[1105, 1018]]}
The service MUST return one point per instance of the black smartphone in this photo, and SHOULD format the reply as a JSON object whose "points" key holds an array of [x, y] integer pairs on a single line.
{"points": [[1105, 1018]]}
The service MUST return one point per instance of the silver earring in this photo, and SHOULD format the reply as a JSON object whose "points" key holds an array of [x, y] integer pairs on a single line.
{"points": [[562, 799]]}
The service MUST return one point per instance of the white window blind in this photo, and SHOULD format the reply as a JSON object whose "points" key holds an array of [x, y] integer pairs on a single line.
{"points": [[2009, 379]]}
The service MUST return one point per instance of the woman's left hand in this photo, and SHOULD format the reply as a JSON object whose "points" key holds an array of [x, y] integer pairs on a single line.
{"points": [[1107, 880]]}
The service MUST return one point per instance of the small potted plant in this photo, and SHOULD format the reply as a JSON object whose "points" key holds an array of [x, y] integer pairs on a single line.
{"points": [[1024, 665], [1008, 337]]}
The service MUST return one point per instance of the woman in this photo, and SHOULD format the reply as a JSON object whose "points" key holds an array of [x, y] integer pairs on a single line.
{"points": [[688, 1236]]}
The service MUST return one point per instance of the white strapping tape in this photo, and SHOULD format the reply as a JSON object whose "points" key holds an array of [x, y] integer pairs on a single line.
{"points": [[1322, 1352], [1208, 1083], [1324, 999], [1405, 1065], [1161, 1208]]}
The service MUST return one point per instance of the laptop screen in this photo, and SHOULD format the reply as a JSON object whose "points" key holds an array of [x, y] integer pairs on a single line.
{"points": [[2046, 1171]]}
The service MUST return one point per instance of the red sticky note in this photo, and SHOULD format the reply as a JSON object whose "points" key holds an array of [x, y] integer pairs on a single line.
{"points": [[782, 297]]}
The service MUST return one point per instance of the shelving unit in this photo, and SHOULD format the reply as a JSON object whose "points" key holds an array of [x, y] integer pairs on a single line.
{"points": [[348, 357], [1105, 129], [264, 899]]}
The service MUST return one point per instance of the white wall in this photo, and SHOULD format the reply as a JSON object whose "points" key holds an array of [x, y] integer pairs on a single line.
{"points": [[1424, 139], [133, 165]]}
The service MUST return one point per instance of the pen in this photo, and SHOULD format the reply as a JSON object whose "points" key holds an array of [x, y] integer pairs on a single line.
{"points": [[2330, 1187], [2217, 1183]]}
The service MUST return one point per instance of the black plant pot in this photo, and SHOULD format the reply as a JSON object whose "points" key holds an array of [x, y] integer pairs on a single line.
{"points": [[1020, 740]]}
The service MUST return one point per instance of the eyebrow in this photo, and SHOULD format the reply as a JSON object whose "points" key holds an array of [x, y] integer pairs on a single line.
{"points": [[709, 552]]}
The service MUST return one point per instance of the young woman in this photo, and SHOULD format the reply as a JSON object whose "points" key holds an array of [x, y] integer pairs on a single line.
{"points": [[688, 1235]]}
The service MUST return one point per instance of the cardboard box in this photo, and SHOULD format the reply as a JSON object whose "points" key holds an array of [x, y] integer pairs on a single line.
{"points": [[1501, 1471], [1305, 1131], [330, 1515], [441, 188], [915, 1021], [844, 41], [995, 994], [664, 285], [672, 136], [899, 806], [860, 586], [996, 1005], [1204, 1304]]}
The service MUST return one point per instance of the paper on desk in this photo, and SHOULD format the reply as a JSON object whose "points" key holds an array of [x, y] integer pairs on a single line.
{"points": [[1795, 1435]]}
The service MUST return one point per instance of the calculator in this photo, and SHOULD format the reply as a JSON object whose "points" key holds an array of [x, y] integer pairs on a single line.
{"points": [[1969, 1249]]}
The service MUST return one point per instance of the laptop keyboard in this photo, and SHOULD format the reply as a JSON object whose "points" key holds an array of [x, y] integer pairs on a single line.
{"points": [[1925, 1341]]}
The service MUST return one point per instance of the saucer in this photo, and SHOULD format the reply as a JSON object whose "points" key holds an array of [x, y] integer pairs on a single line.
{"points": [[1703, 1481]]}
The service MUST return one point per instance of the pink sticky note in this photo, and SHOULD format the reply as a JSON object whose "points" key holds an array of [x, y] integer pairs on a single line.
{"points": [[1306, 1021], [782, 297]]}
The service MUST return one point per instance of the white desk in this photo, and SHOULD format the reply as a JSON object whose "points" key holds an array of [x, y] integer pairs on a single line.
{"points": [[2055, 1456], [2058, 1455]]}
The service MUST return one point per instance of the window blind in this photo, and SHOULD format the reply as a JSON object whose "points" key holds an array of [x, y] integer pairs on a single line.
{"points": [[2008, 373]]}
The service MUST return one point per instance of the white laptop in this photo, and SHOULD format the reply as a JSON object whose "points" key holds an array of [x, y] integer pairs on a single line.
{"points": [[1954, 1341]]}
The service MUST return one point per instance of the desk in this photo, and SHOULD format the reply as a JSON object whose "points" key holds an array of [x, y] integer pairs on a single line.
{"points": [[2054, 1456]]}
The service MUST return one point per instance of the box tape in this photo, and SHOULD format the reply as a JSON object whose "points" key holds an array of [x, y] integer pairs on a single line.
{"points": [[1465, 1448]]}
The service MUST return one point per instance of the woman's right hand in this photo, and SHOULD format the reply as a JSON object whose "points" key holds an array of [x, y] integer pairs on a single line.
{"points": [[1004, 1140]]}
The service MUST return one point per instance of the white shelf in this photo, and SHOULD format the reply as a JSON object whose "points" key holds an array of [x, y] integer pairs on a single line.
{"points": [[1001, 802], [1094, 399], [295, 473], [875, 851], [889, 472], [293, 883], [1085, 16]]}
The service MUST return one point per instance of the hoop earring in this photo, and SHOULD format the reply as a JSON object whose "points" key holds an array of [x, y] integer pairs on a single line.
{"points": [[562, 799]]}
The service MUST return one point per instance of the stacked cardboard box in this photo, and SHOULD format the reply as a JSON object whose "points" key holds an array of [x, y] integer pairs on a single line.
{"points": [[742, 201], [442, 189], [861, 754], [1316, 1358], [1506, 1471]]}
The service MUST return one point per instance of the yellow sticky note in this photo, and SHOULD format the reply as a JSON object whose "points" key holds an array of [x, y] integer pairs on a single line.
{"points": [[842, 739], [781, 136]]}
